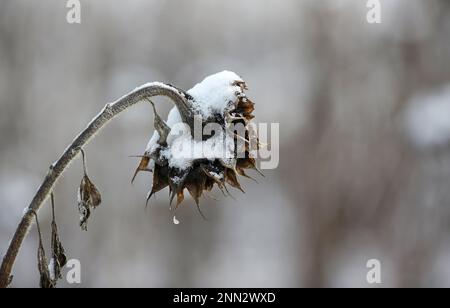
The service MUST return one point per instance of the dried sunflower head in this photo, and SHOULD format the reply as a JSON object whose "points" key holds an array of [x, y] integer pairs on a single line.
{"points": [[182, 159]]}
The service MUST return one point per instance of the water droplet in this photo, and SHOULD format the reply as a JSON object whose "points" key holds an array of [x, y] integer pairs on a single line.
{"points": [[175, 220]]}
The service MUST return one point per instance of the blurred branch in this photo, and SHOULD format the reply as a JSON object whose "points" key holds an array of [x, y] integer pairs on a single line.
{"points": [[71, 152]]}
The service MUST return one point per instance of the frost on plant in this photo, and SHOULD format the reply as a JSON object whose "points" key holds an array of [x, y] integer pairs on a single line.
{"points": [[183, 160]]}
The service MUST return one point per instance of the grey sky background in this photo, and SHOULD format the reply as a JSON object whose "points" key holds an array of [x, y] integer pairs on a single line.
{"points": [[364, 121]]}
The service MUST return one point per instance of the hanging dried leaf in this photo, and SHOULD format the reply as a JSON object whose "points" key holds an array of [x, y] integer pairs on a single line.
{"points": [[59, 258], [88, 197], [45, 279], [46, 282]]}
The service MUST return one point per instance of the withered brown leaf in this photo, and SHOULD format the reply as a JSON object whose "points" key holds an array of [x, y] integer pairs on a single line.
{"points": [[88, 198], [59, 258], [45, 280]]}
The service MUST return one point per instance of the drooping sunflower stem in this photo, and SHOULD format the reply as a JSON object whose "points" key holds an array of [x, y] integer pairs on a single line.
{"points": [[183, 163], [110, 111]]}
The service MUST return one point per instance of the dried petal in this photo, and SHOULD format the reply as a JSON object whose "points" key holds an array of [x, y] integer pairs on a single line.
{"points": [[160, 179], [143, 166], [230, 178], [248, 163], [195, 190], [214, 176], [161, 126], [245, 107], [177, 180], [241, 172], [180, 197], [240, 84]]}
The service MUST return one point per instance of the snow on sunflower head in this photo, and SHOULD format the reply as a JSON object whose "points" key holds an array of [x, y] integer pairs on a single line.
{"points": [[207, 140]]}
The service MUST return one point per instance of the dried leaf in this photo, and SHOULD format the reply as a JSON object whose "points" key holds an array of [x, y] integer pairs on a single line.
{"points": [[59, 258], [45, 279], [88, 198]]}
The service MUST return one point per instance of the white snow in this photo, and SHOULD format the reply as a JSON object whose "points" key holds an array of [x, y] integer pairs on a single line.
{"points": [[216, 175], [51, 269], [79, 196], [183, 150], [149, 84], [427, 118], [215, 92], [213, 95]]}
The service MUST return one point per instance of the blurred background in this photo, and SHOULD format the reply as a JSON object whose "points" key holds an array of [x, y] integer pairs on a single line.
{"points": [[364, 113]]}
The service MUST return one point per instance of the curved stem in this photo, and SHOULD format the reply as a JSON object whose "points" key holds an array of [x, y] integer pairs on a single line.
{"points": [[107, 114], [83, 157]]}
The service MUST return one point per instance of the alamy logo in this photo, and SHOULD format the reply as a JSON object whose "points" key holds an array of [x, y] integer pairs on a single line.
{"points": [[74, 271], [74, 14], [374, 273], [374, 14]]}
